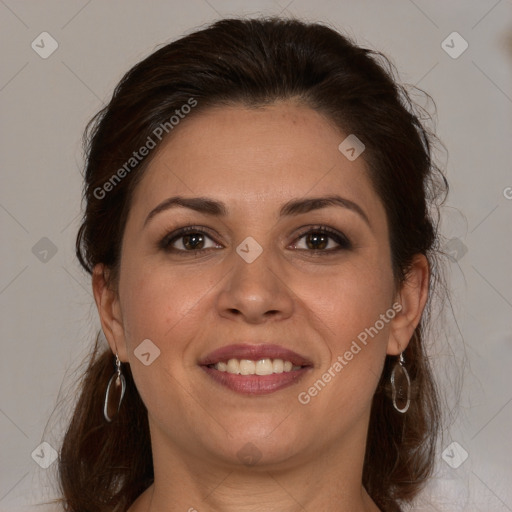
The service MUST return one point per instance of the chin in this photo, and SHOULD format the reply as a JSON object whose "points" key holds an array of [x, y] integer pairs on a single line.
{"points": [[260, 443]]}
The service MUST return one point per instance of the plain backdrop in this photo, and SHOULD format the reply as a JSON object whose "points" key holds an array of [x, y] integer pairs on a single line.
{"points": [[48, 318]]}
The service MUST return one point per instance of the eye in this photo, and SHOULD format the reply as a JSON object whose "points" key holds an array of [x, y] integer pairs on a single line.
{"points": [[321, 239], [188, 239]]}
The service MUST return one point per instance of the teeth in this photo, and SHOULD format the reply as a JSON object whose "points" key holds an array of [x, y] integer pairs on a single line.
{"points": [[233, 366], [261, 367], [247, 367], [222, 366], [278, 366], [264, 367]]}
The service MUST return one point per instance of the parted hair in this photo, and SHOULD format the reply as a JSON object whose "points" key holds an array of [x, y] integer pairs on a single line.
{"points": [[254, 62]]}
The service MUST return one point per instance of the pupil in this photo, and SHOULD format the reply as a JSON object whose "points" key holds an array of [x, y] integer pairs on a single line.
{"points": [[317, 238], [192, 241]]}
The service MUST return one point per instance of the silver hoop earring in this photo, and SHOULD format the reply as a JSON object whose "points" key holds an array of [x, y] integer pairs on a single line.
{"points": [[119, 385], [399, 377]]}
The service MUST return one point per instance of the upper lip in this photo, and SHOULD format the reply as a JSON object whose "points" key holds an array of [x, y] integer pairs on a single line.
{"points": [[254, 353]]}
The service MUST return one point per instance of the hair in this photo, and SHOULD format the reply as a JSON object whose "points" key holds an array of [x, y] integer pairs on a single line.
{"points": [[253, 63]]}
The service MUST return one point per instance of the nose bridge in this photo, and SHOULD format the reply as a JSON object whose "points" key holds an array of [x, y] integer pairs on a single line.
{"points": [[254, 288], [252, 268]]}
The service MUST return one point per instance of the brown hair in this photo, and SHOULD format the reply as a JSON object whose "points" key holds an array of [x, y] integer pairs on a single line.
{"points": [[254, 62]]}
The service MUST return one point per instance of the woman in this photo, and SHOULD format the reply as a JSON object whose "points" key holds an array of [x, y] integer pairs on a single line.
{"points": [[258, 231]]}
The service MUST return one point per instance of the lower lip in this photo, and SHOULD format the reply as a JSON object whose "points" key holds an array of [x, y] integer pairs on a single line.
{"points": [[256, 384]]}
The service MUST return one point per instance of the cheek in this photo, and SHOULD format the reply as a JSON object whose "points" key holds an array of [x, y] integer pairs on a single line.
{"points": [[154, 302], [347, 299], [334, 305], [354, 309], [165, 308]]}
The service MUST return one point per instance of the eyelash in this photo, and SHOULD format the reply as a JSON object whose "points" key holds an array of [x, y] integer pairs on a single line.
{"points": [[166, 243], [342, 241]]}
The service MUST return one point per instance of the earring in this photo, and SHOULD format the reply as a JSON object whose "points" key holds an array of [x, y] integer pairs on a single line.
{"points": [[119, 386], [401, 375]]}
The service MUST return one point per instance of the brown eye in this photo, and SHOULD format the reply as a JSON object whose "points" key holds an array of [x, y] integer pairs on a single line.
{"points": [[189, 239], [193, 242], [317, 241], [324, 240]]}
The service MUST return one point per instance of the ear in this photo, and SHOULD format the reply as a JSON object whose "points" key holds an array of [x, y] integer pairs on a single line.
{"points": [[107, 303], [412, 297]]}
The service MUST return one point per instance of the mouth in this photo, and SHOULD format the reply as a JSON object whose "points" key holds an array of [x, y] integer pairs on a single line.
{"points": [[255, 369]]}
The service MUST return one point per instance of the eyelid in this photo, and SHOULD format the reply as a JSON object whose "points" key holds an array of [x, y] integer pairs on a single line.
{"points": [[176, 234], [344, 243]]}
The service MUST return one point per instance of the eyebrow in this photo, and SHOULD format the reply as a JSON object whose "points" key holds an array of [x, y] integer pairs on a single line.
{"points": [[294, 207], [199, 204], [298, 206]]}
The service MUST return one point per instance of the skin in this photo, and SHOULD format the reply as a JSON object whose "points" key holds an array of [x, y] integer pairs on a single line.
{"points": [[255, 160]]}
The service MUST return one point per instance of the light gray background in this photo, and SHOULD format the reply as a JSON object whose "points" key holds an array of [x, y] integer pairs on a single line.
{"points": [[48, 321]]}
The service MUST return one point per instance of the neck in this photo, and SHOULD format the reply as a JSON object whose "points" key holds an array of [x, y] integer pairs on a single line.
{"points": [[328, 480]]}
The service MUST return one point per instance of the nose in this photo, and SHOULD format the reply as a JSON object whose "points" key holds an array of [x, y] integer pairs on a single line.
{"points": [[255, 292]]}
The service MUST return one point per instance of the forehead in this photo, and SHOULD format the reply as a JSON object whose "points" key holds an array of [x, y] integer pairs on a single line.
{"points": [[255, 157]]}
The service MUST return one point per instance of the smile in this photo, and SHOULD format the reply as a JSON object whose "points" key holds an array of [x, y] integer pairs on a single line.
{"points": [[261, 367], [255, 370]]}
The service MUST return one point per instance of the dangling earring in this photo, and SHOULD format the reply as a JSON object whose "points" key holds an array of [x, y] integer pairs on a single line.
{"points": [[400, 375], [119, 386]]}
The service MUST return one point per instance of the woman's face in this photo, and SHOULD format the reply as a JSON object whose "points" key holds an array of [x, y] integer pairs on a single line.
{"points": [[252, 273]]}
